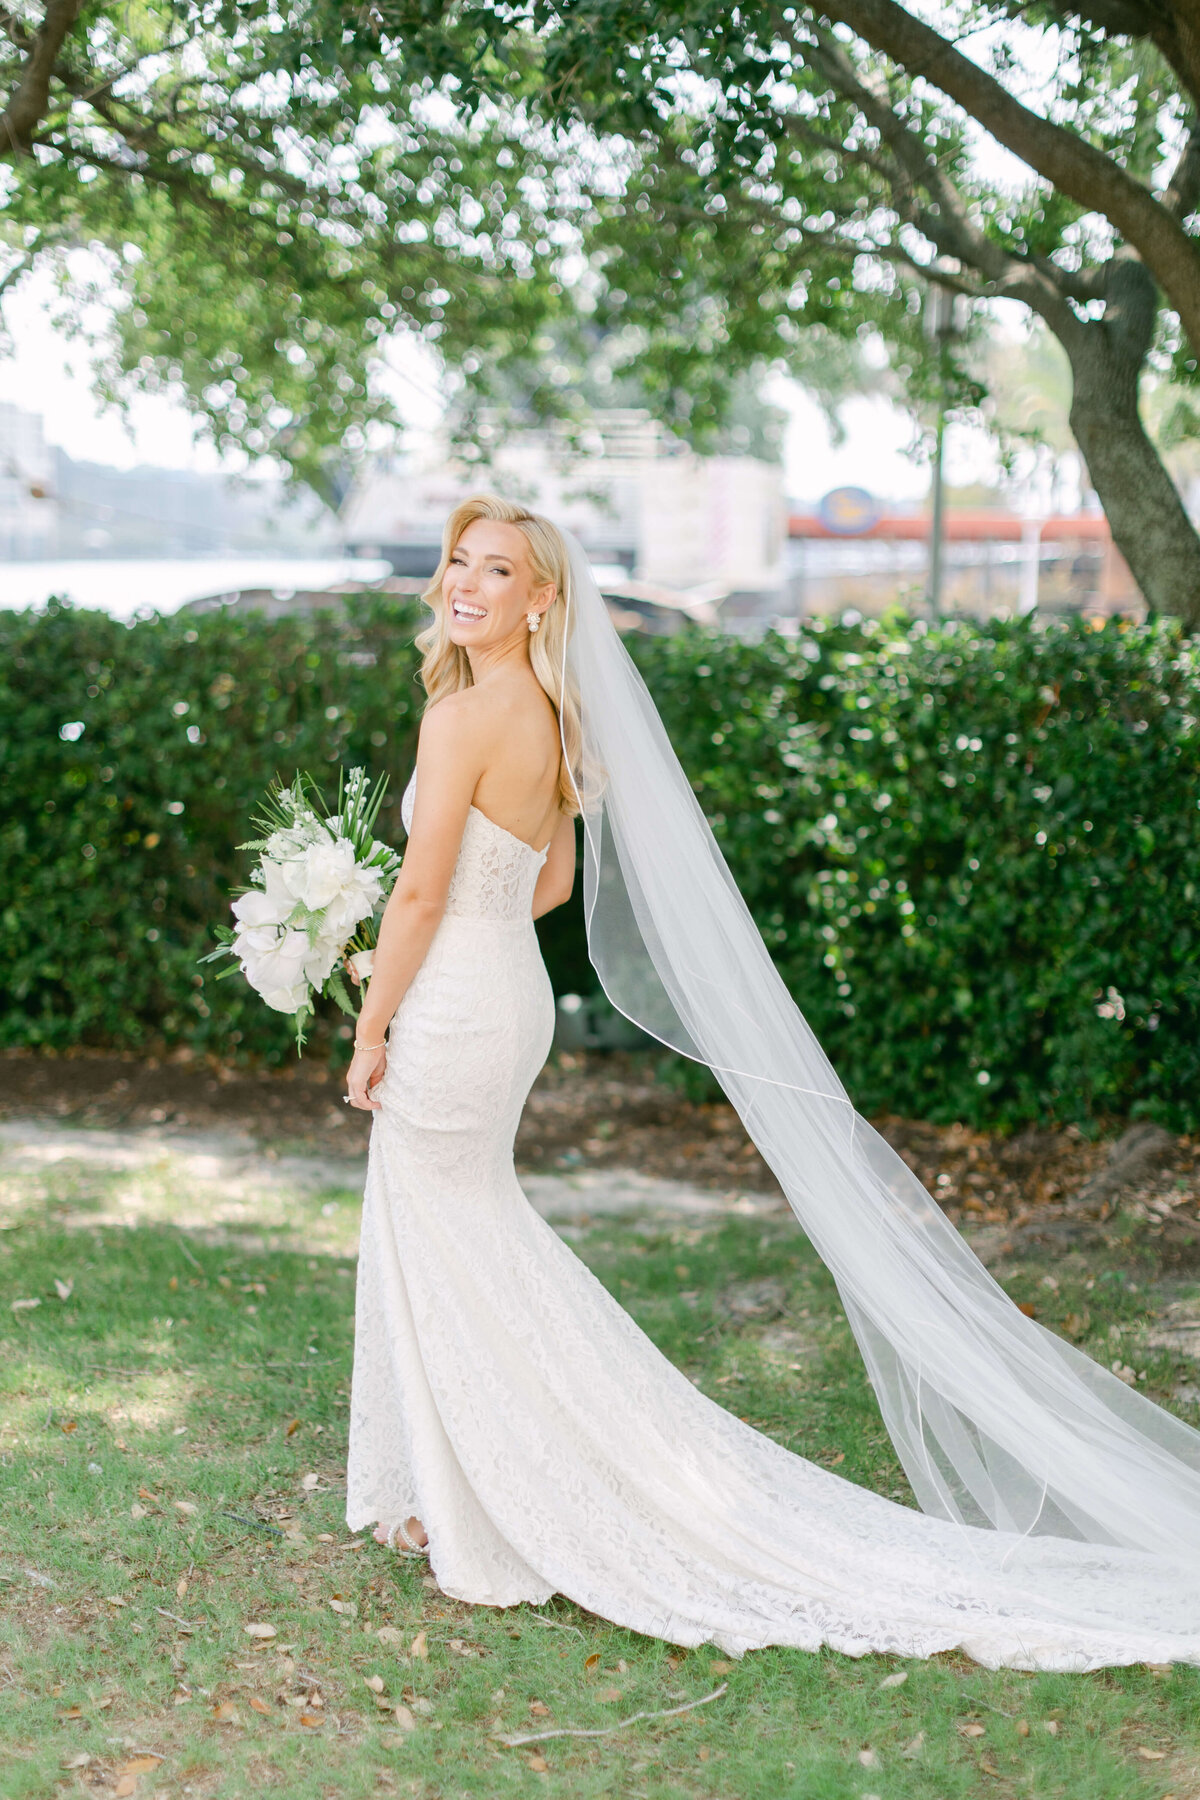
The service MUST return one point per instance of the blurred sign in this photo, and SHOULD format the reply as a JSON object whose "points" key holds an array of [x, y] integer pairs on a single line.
{"points": [[848, 511]]}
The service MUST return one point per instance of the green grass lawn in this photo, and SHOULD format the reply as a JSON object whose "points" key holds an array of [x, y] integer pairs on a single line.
{"points": [[173, 1473]]}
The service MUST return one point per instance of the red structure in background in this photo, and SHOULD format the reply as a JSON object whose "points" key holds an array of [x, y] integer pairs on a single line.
{"points": [[1115, 587]]}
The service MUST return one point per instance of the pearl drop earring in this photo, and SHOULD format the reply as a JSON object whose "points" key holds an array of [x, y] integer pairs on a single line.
{"points": [[533, 620]]}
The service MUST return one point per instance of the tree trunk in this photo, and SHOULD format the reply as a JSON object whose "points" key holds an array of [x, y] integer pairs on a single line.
{"points": [[1144, 510]]}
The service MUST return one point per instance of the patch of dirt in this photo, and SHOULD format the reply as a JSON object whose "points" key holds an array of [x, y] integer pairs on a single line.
{"points": [[604, 1110]]}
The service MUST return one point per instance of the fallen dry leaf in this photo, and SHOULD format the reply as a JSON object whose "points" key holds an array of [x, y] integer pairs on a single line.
{"points": [[720, 1668], [608, 1694], [419, 1646], [181, 1587], [225, 1713], [972, 1730], [259, 1706], [914, 1746], [68, 1426], [326, 1537], [1022, 1727], [145, 1494], [64, 1289], [293, 1427], [72, 1712], [538, 1764], [539, 1709], [839, 1458], [1148, 1755], [311, 1719], [310, 1481], [1028, 1308], [80, 1761], [139, 1765], [593, 1661], [24, 1305], [125, 1786], [869, 1759], [894, 1681], [137, 1512], [346, 1607], [375, 1683], [421, 1705], [1051, 1725], [186, 1507], [987, 1767], [387, 1634], [404, 1718], [260, 1631], [115, 1600]]}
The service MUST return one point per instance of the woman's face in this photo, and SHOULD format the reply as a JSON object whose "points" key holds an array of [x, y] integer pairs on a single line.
{"points": [[489, 586]]}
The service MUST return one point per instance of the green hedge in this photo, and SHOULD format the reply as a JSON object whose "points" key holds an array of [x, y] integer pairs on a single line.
{"points": [[974, 852]]}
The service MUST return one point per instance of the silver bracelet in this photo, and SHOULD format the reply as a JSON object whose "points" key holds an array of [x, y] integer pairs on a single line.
{"points": [[379, 1046]]}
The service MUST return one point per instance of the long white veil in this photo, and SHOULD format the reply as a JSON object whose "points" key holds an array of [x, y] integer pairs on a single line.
{"points": [[995, 1419]]}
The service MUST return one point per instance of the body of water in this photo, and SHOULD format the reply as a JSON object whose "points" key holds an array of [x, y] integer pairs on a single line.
{"points": [[125, 588]]}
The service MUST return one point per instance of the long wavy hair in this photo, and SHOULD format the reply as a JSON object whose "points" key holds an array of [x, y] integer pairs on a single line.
{"points": [[445, 667]]}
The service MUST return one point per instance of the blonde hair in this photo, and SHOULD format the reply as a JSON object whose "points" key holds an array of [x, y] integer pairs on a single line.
{"points": [[445, 667]]}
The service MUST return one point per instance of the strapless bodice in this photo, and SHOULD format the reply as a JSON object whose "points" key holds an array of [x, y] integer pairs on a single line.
{"points": [[496, 872]]}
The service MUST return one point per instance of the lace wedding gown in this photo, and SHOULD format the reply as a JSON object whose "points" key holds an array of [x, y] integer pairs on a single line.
{"points": [[502, 1396]]}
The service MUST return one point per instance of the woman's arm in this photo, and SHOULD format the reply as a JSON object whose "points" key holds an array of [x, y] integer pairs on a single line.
{"points": [[557, 878], [450, 760]]}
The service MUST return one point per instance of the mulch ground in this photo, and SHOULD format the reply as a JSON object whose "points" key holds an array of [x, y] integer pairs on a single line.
{"points": [[597, 1110]]}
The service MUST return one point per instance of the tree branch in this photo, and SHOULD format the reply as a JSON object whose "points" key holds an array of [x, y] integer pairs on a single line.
{"points": [[943, 219], [30, 98], [1061, 157], [1182, 195]]}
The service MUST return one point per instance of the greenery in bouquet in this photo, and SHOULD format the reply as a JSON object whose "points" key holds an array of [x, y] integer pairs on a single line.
{"points": [[315, 896]]}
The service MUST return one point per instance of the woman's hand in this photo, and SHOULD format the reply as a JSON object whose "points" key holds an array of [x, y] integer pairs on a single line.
{"points": [[365, 1073]]}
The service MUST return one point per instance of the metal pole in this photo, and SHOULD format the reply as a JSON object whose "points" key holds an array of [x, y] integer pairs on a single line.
{"points": [[937, 523]]}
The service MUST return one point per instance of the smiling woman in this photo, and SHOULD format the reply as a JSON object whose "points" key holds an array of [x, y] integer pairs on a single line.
{"points": [[507, 1416]]}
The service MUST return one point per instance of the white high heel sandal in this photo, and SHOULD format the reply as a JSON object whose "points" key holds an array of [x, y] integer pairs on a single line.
{"points": [[403, 1543]]}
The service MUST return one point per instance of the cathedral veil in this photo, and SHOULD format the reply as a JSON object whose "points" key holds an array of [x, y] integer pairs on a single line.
{"points": [[997, 1421]]}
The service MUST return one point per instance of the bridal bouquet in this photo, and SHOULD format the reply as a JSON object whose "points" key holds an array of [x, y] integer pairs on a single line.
{"points": [[315, 896]]}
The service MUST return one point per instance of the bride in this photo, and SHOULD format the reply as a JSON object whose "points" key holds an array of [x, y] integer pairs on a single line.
{"points": [[508, 1418]]}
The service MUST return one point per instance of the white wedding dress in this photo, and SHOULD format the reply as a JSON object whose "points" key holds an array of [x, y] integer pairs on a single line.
{"points": [[502, 1396]]}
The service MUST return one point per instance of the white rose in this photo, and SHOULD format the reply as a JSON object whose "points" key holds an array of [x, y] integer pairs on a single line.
{"points": [[271, 904], [363, 963], [323, 953], [355, 902], [322, 873], [273, 962]]}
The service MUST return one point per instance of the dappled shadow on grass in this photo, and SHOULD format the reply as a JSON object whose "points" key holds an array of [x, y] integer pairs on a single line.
{"points": [[173, 1465]]}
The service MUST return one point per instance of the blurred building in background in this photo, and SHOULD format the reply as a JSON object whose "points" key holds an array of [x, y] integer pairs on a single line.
{"points": [[850, 551], [663, 526], [28, 514], [53, 507]]}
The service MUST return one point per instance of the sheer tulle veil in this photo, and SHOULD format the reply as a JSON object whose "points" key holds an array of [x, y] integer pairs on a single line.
{"points": [[997, 1421]]}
